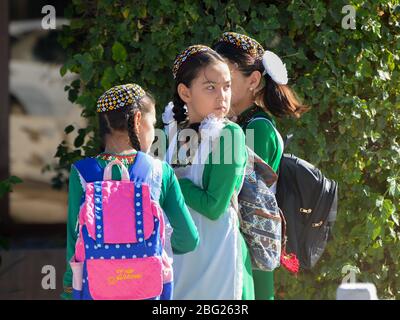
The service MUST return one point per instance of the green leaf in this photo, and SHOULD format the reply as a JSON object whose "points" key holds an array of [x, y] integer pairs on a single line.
{"points": [[394, 187], [395, 218], [69, 129], [72, 95], [6, 185], [108, 78], [97, 52], [388, 208], [119, 52], [15, 180], [376, 232], [86, 101], [244, 5], [125, 13], [76, 84], [142, 12], [79, 140], [63, 71], [87, 73], [391, 63], [121, 70]]}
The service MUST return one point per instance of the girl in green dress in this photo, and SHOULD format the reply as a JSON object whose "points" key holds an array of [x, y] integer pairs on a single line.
{"points": [[126, 121], [259, 90], [220, 267]]}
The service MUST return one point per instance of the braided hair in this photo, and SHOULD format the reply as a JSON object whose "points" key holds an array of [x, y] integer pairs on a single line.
{"points": [[123, 120], [133, 137]]}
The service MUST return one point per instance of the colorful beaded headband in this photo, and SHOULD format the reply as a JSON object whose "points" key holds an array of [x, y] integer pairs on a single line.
{"points": [[243, 42], [120, 96], [182, 57]]}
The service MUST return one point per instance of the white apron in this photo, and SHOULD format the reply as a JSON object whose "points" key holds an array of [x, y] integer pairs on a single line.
{"points": [[214, 270]]}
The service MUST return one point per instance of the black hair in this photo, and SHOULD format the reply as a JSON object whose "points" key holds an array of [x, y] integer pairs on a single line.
{"points": [[122, 120], [278, 99], [186, 73]]}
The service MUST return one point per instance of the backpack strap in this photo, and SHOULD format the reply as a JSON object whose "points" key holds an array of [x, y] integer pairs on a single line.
{"points": [[108, 171], [141, 169], [285, 141], [244, 120], [282, 142], [89, 170], [156, 181], [260, 118], [148, 169]]}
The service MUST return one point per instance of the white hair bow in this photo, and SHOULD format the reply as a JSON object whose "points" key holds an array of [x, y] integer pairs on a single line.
{"points": [[275, 68]]}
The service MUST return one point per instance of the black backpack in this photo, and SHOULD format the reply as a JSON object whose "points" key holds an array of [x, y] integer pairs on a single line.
{"points": [[308, 201]]}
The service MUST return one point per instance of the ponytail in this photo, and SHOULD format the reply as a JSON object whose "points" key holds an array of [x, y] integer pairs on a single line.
{"points": [[275, 97], [280, 100]]}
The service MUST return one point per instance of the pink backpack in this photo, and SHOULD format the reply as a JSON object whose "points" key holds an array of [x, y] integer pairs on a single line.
{"points": [[119, 252]]}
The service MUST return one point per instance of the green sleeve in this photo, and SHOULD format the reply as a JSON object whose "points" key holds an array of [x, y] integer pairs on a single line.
{"points": [[219, 179], [75, 192], [266, 142], [185, 237]]}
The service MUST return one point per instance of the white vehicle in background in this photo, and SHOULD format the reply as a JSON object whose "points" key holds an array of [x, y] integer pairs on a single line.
{"points": [[40, 109]]}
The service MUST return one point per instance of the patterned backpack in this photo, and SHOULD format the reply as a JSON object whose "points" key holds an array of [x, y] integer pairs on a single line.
{"points": [[119, 252], [260, 217], [261, 220]]}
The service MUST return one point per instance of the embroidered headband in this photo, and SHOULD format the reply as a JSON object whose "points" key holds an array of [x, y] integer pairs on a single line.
{"points": [[183, 56], [273, 65], [249, 45], [120, 96]]}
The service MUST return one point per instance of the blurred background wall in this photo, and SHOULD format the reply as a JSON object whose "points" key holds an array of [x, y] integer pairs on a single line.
{"points": [[34, 112]]}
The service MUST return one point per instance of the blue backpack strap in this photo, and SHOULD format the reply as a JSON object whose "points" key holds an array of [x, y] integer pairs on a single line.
{"points": [[156, 179], [89, 169], [141, 168]]}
